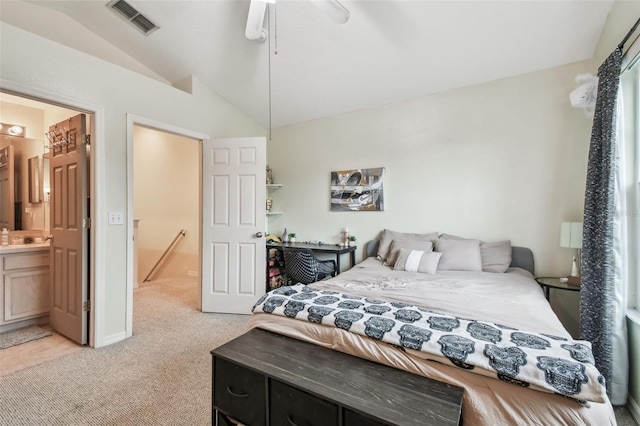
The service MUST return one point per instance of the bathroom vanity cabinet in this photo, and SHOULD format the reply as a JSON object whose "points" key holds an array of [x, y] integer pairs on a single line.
{"points": [[24, 298]]}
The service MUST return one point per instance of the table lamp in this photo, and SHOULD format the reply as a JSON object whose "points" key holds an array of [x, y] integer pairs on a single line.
{"points": [[571, 237]]}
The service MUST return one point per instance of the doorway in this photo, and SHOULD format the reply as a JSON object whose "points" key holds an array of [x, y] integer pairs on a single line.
{"points": [[37, 115], [155, 131], [166, 206]]}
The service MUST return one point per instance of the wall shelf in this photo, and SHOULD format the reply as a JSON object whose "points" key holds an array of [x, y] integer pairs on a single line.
{"points": [[271, 186], [274, 213]]}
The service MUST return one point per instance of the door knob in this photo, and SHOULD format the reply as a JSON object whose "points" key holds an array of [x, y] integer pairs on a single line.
{"points": [[259, 235]]}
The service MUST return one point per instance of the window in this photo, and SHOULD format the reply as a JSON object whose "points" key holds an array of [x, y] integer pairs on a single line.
{"points": [[630, 84]]}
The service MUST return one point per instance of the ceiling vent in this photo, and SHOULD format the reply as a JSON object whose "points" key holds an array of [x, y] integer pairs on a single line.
{"points": [[130, 13]]}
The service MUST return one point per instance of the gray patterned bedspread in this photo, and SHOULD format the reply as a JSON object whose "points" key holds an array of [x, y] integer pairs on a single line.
{"points": [[539, 361]]}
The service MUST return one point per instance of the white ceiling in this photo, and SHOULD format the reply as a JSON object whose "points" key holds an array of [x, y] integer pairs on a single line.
{"points": [[388, 50]]}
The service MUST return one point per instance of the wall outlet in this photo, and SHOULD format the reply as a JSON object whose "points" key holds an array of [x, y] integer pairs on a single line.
{"points": [[116, 218]]}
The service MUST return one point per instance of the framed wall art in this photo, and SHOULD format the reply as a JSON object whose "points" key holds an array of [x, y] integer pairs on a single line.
{"points": [[357, 190]]}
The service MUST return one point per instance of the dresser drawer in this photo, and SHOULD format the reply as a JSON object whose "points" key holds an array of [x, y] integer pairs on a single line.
{"points": [[25, 260], [352, 418], [239, 392], [293, 407]]}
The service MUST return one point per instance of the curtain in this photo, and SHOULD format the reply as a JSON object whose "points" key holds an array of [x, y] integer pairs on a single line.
{"points": [[602, 312]]}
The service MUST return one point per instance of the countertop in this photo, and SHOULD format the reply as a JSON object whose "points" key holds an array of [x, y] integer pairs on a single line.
{"points": [[18, 248]]}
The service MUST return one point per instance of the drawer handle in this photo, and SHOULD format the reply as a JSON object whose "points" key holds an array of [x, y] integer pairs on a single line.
{"points": [[237, 395], [291, 422]]}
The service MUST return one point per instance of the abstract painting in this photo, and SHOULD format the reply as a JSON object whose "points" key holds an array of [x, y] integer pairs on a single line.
{"points": [[357, 190]]}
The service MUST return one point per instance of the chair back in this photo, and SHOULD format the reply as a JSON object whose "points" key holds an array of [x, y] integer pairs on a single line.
{"points": [[300, 265]]}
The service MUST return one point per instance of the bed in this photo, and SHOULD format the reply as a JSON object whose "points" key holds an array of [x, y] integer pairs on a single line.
{"points": [[509, 303]]}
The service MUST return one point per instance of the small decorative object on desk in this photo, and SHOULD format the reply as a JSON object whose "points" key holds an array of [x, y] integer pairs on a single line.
{"points": [[292, 237], [285, 236], [269, 176], [352, 240]]}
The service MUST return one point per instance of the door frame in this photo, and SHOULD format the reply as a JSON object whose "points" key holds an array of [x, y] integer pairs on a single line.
{"points": [[136, 120], [96, 258]]}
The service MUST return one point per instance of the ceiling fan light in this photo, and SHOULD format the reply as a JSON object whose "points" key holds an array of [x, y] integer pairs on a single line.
{"points": [[255, 21], [334, 10]]}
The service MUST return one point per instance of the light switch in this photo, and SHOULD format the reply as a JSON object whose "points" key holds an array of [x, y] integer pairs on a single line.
{"points": [[116, 218]]}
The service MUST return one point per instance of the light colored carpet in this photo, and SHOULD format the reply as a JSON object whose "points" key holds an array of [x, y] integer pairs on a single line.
{"points": [[22, 335], [160, 376]]}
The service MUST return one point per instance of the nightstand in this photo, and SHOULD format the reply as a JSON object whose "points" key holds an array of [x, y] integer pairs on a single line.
{"points": [[547, 283]]}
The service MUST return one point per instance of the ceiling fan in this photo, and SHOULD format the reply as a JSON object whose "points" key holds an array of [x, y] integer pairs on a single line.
{"points": [[257, 9]]}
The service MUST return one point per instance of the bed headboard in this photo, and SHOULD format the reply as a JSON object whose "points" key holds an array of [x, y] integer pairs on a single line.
{"points": [[521, 257]]}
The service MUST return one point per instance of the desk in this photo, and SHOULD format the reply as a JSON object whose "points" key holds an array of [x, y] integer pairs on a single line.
{"points": [[321, 248]]}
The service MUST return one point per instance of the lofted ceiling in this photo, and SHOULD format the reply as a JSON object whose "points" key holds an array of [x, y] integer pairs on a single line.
{"points": [[388, 51]]}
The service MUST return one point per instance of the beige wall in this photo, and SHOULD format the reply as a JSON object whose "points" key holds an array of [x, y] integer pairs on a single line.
{"points": [[624, 13], [75, 76], [166, 199], [500, 160]]}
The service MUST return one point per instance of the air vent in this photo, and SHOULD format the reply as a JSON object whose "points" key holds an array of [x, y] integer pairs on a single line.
{"points": [[134, 17]]}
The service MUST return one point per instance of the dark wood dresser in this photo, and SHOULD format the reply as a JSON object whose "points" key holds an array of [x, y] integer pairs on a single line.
{"points": [[262, 378]]}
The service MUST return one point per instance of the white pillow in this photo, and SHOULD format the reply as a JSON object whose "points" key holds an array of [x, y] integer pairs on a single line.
{"points": [[411, 244], [459, 255], [388, 236], [417, 261]]}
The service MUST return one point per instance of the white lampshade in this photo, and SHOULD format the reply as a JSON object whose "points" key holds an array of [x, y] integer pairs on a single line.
{"points": [[571, 234]]}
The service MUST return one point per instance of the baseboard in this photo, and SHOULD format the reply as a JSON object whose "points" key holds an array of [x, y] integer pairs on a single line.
{"points": [[634, 409], [114, 338]]}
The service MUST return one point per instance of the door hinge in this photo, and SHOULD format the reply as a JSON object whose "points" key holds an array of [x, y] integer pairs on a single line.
{"points": [[86, 306], [86, 139], [86, 223]]}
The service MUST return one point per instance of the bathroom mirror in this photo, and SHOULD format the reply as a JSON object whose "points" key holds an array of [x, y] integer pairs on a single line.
{"points": [[35, 189], [46, 186], [24, 198]]}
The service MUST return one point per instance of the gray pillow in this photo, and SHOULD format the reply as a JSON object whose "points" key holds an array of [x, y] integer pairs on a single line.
{"points": [[459, 255], [406, 243], [417, 261], [388, 236], [496, 256]]}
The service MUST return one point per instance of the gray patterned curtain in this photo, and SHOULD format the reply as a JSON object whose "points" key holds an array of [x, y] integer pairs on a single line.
{"points": [[597, 295]]}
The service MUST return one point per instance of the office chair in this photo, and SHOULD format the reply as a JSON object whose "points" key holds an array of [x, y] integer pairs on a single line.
{"points": [[302, 266]]}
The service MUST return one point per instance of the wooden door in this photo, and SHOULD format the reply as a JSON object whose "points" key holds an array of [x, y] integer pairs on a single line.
{"points": [[233, 211], [69, 277]]}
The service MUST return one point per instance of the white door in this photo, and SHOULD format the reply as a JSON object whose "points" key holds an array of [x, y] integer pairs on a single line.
{"points": [[68, 269], [233, 212]]}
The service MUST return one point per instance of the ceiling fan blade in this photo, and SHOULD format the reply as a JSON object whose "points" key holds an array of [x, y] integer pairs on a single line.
{"points": [[334, 10], [255, 20]]}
